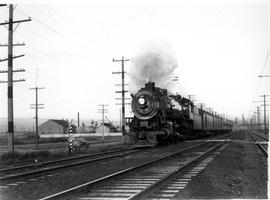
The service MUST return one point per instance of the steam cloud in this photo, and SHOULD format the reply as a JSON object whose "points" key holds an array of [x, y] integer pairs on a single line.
{"points": [[155, 62]]}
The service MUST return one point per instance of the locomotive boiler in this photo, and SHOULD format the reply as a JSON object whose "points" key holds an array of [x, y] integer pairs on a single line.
{"points": [[160, 118]]}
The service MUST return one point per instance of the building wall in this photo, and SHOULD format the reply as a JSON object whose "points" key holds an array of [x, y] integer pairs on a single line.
{"points": [[85, 129], [50, 127], [99, 129]]}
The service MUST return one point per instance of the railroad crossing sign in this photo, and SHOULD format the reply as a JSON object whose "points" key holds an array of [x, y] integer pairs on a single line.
{"points": [[71, 137]]}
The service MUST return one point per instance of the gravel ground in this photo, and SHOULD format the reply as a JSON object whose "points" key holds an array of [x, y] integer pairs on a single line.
{"points": [[41, 187], [239, 172]]}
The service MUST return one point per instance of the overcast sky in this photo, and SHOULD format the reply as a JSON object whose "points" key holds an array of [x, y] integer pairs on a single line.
{"points": [[220, 48]]}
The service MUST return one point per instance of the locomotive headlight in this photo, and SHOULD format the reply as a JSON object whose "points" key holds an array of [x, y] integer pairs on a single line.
{"points": [[141, 101], [144, 105]]}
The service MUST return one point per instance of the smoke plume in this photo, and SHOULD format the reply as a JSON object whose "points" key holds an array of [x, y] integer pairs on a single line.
{"points": [[154, 62]]}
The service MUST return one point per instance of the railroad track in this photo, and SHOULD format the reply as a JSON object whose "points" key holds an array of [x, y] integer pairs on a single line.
{"points": [[263, 145], [262, 137], [35, 169], [44, 167], [160, 178]]}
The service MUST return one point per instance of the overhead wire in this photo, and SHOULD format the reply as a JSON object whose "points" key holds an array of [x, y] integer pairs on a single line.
{"points": [[262, 71], [256, 93], [48, 27], [42, 23]]}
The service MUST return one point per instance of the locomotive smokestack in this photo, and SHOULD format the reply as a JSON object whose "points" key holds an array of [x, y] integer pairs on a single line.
{"points": [[150, 85], [155, 62]]}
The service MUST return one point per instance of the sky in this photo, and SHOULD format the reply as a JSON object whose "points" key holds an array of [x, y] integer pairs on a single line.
{"points": [[220, 50]]}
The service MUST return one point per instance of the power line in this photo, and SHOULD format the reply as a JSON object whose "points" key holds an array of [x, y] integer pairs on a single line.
{"points": [[263, 68], [50, 28], [265, 62], [43, 24]]}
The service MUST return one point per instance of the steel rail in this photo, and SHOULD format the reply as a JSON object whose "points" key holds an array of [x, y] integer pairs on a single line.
{"points": [[19, 175], [260, 136], [40, 164], [259, 144], [116, 174], [154, 187]]}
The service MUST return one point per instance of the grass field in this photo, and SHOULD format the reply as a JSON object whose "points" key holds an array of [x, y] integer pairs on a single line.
{"points": [[19, 158], [31, 139]]}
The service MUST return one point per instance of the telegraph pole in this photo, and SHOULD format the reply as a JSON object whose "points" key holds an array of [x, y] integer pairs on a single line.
{"points": [[103, 110], [78, 115], [264, 96], [10, 73], [253, 116], [120, 124], [258, 117], [243, 119], [36, 106], [191, 97], [201, 105], [264, 111], [251, 125], [123, 90]]}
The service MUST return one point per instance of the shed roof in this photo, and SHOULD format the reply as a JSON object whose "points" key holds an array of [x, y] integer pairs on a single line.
{"points": [[63, 123]]}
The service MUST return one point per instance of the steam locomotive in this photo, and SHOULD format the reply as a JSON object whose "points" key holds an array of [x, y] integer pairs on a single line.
{"points": [[161, 118]]}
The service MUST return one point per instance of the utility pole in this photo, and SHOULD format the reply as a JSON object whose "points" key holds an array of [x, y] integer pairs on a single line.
{"points": [[10, 73], [120, 124], [258, 117], [123, 90], [191, 97], [264, 96], [253, 120], [264, 111], [175, 78], [78, 115], [201, 105], [243, 119], [251, 125], [103, 110], [37, 106], [258, 113]]}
